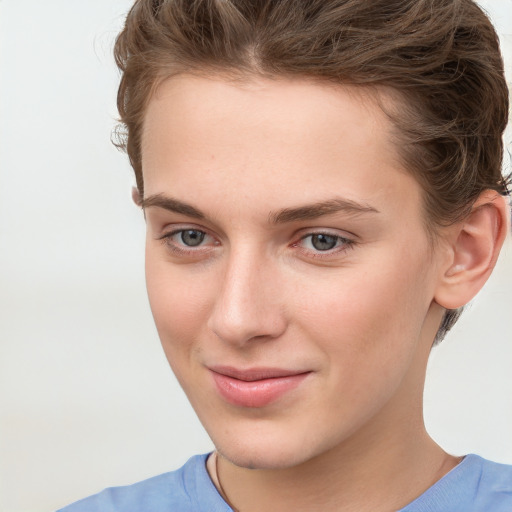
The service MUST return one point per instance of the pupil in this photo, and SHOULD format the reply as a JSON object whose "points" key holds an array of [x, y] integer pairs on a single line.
{"points": [[323, 242], [192, 237]]}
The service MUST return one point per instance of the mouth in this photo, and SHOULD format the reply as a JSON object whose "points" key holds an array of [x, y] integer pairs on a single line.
{"points": [[255, 387]]}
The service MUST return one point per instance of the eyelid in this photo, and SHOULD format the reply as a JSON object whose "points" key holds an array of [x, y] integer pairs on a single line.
{"points": [[326, 233], [319, 230], [178, 227]]}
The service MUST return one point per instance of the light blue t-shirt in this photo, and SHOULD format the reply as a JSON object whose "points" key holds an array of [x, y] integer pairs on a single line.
{"points": [[475, 485]]}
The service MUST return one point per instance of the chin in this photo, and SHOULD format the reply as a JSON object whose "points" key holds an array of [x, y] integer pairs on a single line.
{"points": [[276, 450], [258, 459]]}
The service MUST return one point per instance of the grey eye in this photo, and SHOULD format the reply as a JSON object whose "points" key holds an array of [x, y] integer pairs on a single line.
{"points": [[323, 242], [192, 237]]}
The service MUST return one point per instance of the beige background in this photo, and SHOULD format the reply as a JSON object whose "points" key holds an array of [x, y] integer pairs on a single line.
{"points": [[86, 397]]}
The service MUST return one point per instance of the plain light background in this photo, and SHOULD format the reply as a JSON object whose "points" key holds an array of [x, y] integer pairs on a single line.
{"points": [[86, 397]]}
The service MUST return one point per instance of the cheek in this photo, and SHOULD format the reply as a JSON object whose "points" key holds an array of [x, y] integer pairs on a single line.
{"points": [[367, 322], [179, 302]]}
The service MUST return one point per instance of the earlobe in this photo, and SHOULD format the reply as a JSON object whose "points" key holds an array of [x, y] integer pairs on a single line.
{"points": [[475, 244]]}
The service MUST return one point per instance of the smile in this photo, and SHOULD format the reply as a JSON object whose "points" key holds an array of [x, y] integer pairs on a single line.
{"points": [[255, 387]]}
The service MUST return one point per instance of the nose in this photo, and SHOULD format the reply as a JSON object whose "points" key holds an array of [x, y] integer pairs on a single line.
{"points": [[247, 306]]}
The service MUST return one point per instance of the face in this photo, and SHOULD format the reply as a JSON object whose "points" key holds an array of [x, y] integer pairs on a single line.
{"points": [[288, 268]]}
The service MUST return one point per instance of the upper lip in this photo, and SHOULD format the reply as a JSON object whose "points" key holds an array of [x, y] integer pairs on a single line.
{"points": [[253, 374]]}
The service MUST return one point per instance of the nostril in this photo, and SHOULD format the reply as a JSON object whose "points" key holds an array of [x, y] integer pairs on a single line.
{"points": [[239, 330]]}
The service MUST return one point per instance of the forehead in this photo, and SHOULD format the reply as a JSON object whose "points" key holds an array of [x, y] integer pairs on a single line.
{"points": [[267, 110], [262, 137]]}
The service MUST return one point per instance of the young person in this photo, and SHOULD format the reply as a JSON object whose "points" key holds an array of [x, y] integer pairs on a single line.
{"points": [[322, 186]]}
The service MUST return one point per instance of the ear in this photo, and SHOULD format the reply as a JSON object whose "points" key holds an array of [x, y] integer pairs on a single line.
{"points": [[136, 196], [474, 246]]}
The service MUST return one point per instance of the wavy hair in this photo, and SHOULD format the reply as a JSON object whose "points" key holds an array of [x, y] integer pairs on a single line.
{"points": [[440, 59]]}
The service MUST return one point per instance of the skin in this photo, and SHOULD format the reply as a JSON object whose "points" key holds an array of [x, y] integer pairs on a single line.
{"points": [[256, 292]]}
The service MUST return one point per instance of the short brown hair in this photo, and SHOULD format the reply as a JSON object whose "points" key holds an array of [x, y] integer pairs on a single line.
{"points": [[440, 58]]}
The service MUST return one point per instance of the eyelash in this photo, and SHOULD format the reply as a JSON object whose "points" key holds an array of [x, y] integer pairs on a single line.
{"points": [[344, 244]]}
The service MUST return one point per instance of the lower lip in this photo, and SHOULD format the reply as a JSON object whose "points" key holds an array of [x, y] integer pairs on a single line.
{"points": [[257, 393]]}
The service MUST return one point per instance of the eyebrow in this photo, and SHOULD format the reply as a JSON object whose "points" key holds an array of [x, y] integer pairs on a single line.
{"points": [[172, 205], [315, 210], [306, 212]]}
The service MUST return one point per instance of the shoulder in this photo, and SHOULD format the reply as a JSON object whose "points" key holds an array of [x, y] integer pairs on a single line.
{"points": [[494, 486], [475, 485], [188, 489]]}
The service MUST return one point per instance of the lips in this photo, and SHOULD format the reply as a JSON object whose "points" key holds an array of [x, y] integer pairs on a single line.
{"points": [[255, 387]]}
